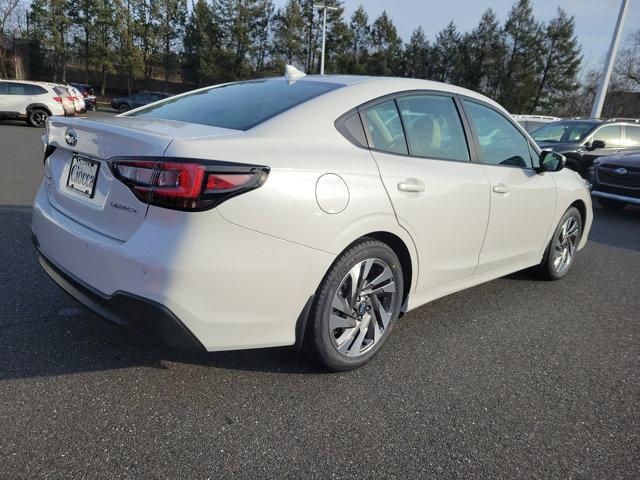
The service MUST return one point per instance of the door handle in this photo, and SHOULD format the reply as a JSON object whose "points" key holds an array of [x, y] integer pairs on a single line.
{"points": [[501, 188], [411, 186]]}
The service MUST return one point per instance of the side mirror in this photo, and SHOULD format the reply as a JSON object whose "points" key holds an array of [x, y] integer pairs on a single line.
{"points": [[597, 144], [551, 162]]}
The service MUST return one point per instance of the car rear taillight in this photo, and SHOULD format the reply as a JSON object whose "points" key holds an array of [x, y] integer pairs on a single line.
{"points": [[185, 184], [71, 98], [57, 99]]}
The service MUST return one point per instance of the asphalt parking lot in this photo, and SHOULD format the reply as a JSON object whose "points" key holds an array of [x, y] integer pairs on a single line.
{"points": [[516, 378]]}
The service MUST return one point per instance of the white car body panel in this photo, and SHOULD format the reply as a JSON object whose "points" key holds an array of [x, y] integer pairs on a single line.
{"points": [[240, 275]]}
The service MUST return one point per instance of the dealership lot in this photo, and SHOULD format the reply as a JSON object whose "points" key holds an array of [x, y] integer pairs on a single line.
{"points": [[516, 378]]}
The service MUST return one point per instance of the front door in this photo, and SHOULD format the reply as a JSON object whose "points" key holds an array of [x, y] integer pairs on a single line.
{"points": [[440, 197], [522, 201]]}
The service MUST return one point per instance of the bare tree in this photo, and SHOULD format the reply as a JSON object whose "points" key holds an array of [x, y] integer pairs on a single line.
{"points": [[8, 24], [627, 68]]}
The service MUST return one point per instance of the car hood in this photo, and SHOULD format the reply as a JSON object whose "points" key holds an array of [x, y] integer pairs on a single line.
{"points": [[631, 159]]}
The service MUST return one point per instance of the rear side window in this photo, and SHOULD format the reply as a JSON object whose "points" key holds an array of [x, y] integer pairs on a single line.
{"points": [[433, 127], [16, 89], [610, 135], [632, 136], [35, 90], [4, 88], [501, 143], [385, 128], [239, 106]]}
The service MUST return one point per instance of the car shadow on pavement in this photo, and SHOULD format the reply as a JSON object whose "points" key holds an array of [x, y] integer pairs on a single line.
{"points": [[44, 332]]}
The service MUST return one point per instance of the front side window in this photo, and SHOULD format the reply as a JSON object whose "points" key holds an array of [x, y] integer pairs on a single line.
{"points": [[610, 135], [434, 128], [4, 88], [501, 143], [385, 128], [240, 105]]}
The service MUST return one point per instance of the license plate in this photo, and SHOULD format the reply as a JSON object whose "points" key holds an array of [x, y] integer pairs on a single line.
{"points": [[83, 174]]}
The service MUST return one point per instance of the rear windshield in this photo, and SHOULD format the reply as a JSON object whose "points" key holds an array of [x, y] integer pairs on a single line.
{"points": [[239, 106]]}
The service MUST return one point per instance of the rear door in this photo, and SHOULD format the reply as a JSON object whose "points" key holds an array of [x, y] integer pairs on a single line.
{"points": [[440, 197], [522, 201]]}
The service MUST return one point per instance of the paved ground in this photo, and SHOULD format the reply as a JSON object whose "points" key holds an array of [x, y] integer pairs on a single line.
{"points": [[512, 379]]}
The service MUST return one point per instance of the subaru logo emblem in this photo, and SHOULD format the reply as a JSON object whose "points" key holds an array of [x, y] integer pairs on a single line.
{"points": [[71, 137], [620, 171]]}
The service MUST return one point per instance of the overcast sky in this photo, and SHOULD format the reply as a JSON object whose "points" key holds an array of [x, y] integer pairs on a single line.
{"points": [[595, 19]]}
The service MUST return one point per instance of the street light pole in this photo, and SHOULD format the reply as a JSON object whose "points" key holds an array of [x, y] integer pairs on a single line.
{"points": [[324, 9], [598, 102]]}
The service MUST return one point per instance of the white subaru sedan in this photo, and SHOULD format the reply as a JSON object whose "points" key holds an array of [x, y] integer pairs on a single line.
{"points": [[310, 212]]}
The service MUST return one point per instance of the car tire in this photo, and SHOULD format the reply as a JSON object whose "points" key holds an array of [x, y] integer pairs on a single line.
{"points": [[123, 108], [611, 204], [563, 246], [37, 117], [347, 337]]}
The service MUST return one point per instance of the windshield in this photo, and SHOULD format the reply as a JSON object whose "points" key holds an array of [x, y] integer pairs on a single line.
{"points": [[239, 106], [563, 132]]}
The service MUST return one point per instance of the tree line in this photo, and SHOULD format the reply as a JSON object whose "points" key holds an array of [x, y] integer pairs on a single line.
{"points": [[527, 65]]}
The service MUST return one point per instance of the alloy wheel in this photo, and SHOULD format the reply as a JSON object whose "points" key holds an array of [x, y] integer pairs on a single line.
{"points": [[362, 307], [565, 244], [39, 118]]}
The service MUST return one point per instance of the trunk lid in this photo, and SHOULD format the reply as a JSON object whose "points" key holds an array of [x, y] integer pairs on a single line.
{"points": [[112, 210]]}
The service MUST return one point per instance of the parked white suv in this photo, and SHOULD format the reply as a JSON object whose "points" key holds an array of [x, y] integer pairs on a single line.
{"points": [[31, 101], [308, 211]]}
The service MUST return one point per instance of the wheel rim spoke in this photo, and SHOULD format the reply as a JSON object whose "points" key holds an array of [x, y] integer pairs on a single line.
{"points": [[362, 307], [565, 244]]}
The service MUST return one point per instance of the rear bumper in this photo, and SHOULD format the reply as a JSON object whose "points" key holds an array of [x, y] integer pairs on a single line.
{"points": [[230, 287], [613, 196], [122, 307]]}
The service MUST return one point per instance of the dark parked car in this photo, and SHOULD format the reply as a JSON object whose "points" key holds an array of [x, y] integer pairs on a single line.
{"points": [[616, 180], [124, 104], [88, 94], [582, 141]]}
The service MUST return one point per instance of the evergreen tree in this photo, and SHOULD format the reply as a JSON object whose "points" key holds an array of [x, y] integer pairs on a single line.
{"points": [[359, 37], [83, 13], [445, 55], [416, 55], [102, 50], [244, 22], [50, 21], [172, 14], [483, 52], [561, 64], [288, 34], [386, 47], [202, 45], [337, 39], [128, 60], [524, 35], [147, 33]]}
